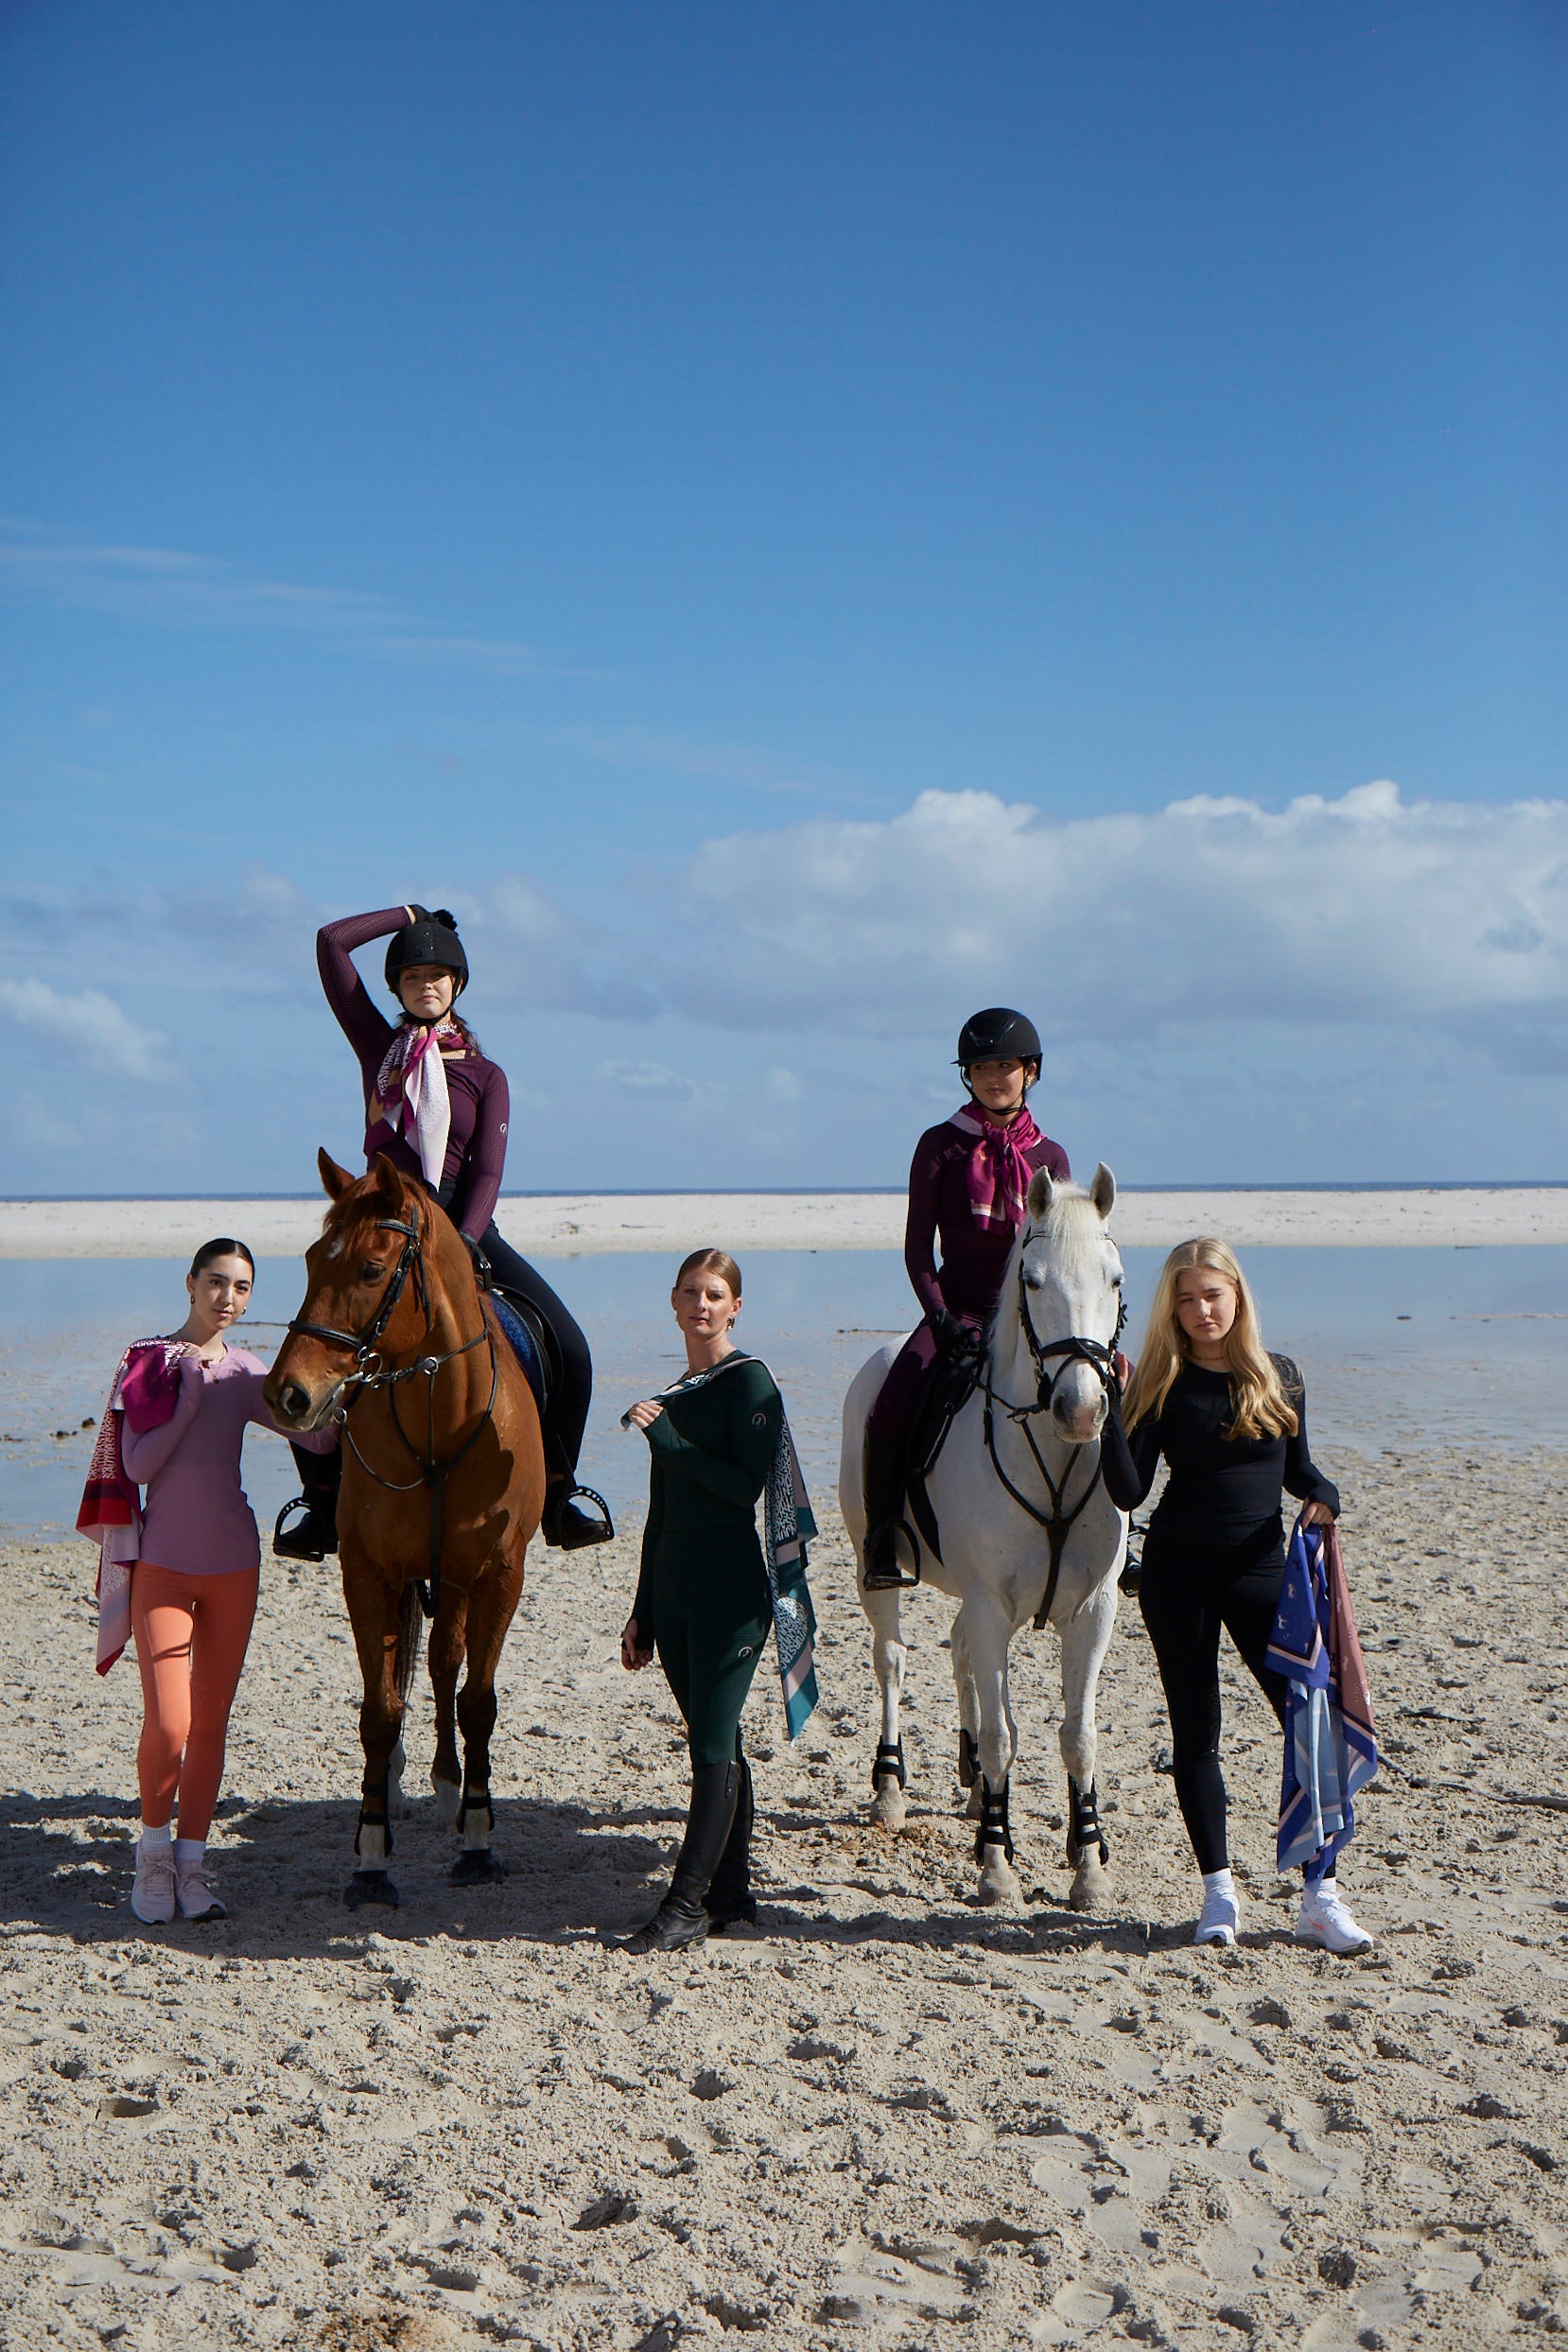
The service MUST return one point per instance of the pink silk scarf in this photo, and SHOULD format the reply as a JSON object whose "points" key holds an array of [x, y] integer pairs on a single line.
{"points": [[411, 1092], [146, 1386], [1000, 1168]]}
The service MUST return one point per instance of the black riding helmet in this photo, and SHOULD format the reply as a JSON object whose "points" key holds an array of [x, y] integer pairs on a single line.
{"points": [[998, 1034], [430, 938]]}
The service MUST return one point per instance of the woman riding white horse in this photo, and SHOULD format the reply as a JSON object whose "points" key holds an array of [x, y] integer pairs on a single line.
{"points": [[1025, 1528]]}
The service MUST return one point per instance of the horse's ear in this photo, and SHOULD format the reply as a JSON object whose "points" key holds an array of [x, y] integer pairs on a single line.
{"points": [[389, 1180], [1102, 1191], [336, 1182], [1039, 1193]]}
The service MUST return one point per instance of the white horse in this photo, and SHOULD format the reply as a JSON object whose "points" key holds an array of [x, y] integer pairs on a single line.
{"points": [[1026, 1528]]}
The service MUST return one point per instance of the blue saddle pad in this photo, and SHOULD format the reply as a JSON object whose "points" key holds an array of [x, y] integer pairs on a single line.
{"points": [[524, 1347]]}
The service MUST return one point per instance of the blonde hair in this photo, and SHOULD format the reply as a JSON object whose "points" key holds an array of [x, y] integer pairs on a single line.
{"points": [[1262, 1407]]}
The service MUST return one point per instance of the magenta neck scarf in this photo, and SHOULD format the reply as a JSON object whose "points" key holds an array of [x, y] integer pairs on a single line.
{"points": [[411, 1090], [1000, 1168]]}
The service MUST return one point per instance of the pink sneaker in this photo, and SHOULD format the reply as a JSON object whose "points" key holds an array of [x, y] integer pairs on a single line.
{"points": [[153, 1896]]}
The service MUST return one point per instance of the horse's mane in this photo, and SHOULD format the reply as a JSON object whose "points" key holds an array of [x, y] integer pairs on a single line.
{"points": [[365, 1198], [1072, 1225]]}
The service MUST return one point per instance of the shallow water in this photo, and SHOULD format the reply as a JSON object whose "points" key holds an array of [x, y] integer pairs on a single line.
{"points": [[1400, 1347]]}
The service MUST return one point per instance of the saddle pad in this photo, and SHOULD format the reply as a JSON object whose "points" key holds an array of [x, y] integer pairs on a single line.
{"points": [[524, 1347]]}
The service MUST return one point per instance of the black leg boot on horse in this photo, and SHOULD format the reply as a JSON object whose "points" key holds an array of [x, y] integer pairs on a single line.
{"points": [[682, 1917], [730, 1902], [316, 1534]]}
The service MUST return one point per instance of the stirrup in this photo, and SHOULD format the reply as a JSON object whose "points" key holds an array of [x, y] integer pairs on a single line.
{"points": [[303, 1541], [566, 1530]]}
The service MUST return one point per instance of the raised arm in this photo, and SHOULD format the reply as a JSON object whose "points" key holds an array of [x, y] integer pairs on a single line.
{"points": [[757, 1415], [367, 1029]]}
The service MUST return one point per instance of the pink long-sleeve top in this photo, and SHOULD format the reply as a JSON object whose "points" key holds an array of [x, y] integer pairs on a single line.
{"points": [[196, 1518]]}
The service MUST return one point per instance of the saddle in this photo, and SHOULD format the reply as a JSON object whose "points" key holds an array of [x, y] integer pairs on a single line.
{"points": [[953, 1382], [530, 1342]]}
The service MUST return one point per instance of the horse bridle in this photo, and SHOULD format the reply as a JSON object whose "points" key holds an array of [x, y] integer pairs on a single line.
{"points": [[1101, 1358], [369, 1372]]}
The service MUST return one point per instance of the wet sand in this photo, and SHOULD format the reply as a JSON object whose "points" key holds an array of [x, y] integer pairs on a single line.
{"points": [[894, 2120]]}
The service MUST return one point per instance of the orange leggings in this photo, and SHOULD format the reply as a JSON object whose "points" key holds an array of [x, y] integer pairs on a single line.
{"points": [[191, 1635]]}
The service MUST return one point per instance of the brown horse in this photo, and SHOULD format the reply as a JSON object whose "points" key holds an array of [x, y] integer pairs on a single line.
{"points": [[443, 1482]]}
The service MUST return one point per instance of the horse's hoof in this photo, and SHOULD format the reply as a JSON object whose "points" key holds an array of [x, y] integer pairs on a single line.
{"points": [[889, 1807], [999, 1883], [370, 1886], [478, 1867], [1090, 1886]]}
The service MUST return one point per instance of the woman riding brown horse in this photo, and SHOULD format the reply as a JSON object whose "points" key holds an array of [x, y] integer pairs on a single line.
{"points": [[444, 1477]]}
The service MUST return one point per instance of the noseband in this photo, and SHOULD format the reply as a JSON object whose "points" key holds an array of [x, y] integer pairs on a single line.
{"points": [[1050, 1359]]}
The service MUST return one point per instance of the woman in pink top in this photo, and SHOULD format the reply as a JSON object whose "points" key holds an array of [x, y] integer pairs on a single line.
{"points": [[193, 1587]]}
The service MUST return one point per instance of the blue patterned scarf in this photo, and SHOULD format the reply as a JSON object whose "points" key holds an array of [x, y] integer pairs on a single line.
{"points": [[1330, 1746]]}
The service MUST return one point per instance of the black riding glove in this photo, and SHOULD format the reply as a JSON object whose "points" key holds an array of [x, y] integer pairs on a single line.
{"points": [[954, 1337]]}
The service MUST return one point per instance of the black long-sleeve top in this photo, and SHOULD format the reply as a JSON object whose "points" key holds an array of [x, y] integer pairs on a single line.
{"points": [[1221, 1490]]}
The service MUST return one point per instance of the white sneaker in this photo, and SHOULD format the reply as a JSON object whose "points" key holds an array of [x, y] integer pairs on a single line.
{"points": [[153, 1896], [1325, 1920], [194, 1893], [1219, 1917]]}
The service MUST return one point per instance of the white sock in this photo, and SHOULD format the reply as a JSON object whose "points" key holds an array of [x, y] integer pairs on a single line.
{"points": [[152, 1839], [189, 1853], [1219, 1882]]}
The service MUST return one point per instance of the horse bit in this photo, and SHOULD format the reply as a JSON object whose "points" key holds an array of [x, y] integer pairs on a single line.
{"points": [[1057, 1522], [369, 1372]]}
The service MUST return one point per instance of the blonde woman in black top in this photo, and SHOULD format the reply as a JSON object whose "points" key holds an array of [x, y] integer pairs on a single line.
{"points": [[1231, 1421]]}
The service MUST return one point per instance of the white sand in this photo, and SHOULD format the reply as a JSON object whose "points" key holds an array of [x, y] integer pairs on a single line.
{"points": [[894, 2121], [587, 1224]]}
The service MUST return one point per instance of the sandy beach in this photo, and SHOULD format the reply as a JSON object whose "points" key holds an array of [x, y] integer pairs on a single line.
{"points": [[567, 1225], [893, 2121]]}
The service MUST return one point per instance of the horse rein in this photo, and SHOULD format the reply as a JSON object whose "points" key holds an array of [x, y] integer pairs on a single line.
{"points": [[1058, 1522], [432, 1474]]}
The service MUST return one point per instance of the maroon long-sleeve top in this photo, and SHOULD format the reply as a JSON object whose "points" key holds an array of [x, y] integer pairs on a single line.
{"points": [[476, 1145], [974, 1256]]}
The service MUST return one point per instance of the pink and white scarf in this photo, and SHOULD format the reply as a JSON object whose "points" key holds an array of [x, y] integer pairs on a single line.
{"points": [[410, 1091], [145, 1386], [999, 1170]]}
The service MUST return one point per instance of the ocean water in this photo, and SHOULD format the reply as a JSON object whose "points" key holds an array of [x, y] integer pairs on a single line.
{"points": [[1401, 1348]]}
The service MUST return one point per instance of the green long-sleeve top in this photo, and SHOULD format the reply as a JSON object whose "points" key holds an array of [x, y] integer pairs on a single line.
{"points": [[710, 1452]]}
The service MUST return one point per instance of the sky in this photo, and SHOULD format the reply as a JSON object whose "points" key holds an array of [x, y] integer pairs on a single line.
{"points": [[795, 523]]}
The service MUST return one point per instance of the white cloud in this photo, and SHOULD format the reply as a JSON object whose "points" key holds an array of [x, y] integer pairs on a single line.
{"points": [[92, 1030], [649, 1079], [1208, 912]]}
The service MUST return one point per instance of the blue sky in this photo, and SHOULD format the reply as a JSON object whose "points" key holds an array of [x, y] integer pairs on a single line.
{"points": [[796, 522]]}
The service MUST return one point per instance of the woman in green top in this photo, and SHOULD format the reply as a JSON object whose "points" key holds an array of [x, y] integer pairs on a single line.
{"points": [[703, 1601]]}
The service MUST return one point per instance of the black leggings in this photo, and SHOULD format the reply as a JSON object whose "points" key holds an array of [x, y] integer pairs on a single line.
{"points": [[1186, 1595]]}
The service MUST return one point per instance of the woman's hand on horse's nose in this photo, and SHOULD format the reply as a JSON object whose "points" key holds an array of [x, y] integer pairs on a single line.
{"points": [[1125, 1367]]}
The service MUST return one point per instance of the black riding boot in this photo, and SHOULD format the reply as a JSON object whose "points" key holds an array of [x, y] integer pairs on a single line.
{"points": [[320, 1474], [681, 1918], [886, 1479], [730, 1901]]}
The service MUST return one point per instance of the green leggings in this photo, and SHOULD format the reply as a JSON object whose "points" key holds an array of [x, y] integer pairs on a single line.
{"points": [[709, 1641]]}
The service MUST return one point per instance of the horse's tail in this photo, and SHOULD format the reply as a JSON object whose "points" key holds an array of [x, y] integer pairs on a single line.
{"points": [[410, 1616]]}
